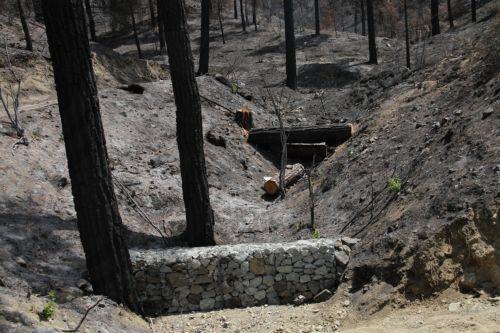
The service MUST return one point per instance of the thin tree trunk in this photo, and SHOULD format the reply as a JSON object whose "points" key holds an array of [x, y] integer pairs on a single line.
{"points": [[355, 19], [450, 14], [136, 36], [371, 33], [161, 31], [435, 17], [363, 17], [316, 16], [37, 8], [152, 13], [205, 38], [242, 14], [90, 19], [407, 36], [246, 13], [26, 30], [99, 222], [254, 14], [235, 10], [291, 67], [219, 14], [199, 214], [473, 10]]}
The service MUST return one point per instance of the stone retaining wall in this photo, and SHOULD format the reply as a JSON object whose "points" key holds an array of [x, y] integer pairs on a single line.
{"points": [[191, 279]]}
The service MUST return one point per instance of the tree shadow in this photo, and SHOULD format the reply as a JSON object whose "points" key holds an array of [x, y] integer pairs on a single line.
{"points": [[40, 252], [301, 43], [330, 75]]}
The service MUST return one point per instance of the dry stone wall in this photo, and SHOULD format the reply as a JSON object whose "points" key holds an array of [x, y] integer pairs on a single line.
{"points": [[193, 279]]}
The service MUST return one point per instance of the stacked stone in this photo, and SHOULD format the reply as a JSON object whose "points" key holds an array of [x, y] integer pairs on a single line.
{"points": [[183, 280]]}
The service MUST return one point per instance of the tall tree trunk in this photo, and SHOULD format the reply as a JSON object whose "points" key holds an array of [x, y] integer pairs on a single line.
{"points": [[90, 20], [450, 13], [199, 214], [242, 14], [205, 37], [219, 14], [254, 14], [136, 35], [26, 30], [407, 36], [371, 32], [355, 19], [37, 8], [235, 10], [246, 13], [473, 10], [316, 16], [363, 17], [291, 67], [99, 222], [161, 31], [152, 13], [435, 17]]}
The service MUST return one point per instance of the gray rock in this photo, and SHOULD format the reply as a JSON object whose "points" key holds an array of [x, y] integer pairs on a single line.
{"points": [[207, 304], [341, 258], [255, 282], [285, 269], [260, 295]]}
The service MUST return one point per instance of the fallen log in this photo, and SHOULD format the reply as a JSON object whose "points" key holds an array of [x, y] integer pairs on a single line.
{"points": [[292, 174], [332, 135], [306, 150]]}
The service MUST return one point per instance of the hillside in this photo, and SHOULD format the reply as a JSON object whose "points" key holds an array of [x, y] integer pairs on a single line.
{"points": [[425, 246]]}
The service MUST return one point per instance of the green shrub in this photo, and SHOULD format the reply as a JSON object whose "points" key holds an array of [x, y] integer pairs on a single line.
{"points": [[315, 234], [394, 184], [50, 307]]}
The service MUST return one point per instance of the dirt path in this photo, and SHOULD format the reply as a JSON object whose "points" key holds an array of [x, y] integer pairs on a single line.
{"points": [[452, 312]]}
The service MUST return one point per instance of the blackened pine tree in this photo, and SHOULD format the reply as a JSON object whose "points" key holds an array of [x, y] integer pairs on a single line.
{"points": [[99, 222], [372, 46], [450, 13], [407, 35], [205, 38], [26, 30], [473, 10], [316, 17], [291, 67], [363, 17], [435, 17], [242, 14], [199, 214], [90, 20]]}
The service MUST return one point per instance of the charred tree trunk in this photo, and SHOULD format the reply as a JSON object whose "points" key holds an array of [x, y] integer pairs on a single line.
{"points": [[26, 30], [136, 36], [316, 17], [407, 36], [219, 14], [450, 14], [371, 33], [473, 10], [435, 17], [99, 222], [205, 38], [254, 14], [242, 14], [199, 214], [291, 67], [37, 8], [152, 13], [90, 20], [235, 9], [246, 13], [161, 31], [363, 18], [355, 19]]}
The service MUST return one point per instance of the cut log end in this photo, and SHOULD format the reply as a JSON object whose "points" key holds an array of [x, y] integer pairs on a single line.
{"points": [[292, 175]]}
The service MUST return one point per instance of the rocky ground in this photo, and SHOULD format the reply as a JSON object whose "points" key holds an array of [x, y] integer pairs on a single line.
{"points": [[434, 128]]}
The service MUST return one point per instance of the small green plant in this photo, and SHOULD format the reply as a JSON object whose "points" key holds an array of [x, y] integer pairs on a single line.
{"points": [[315, 234], [394, 184], [234, 88], [50, 307]]}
